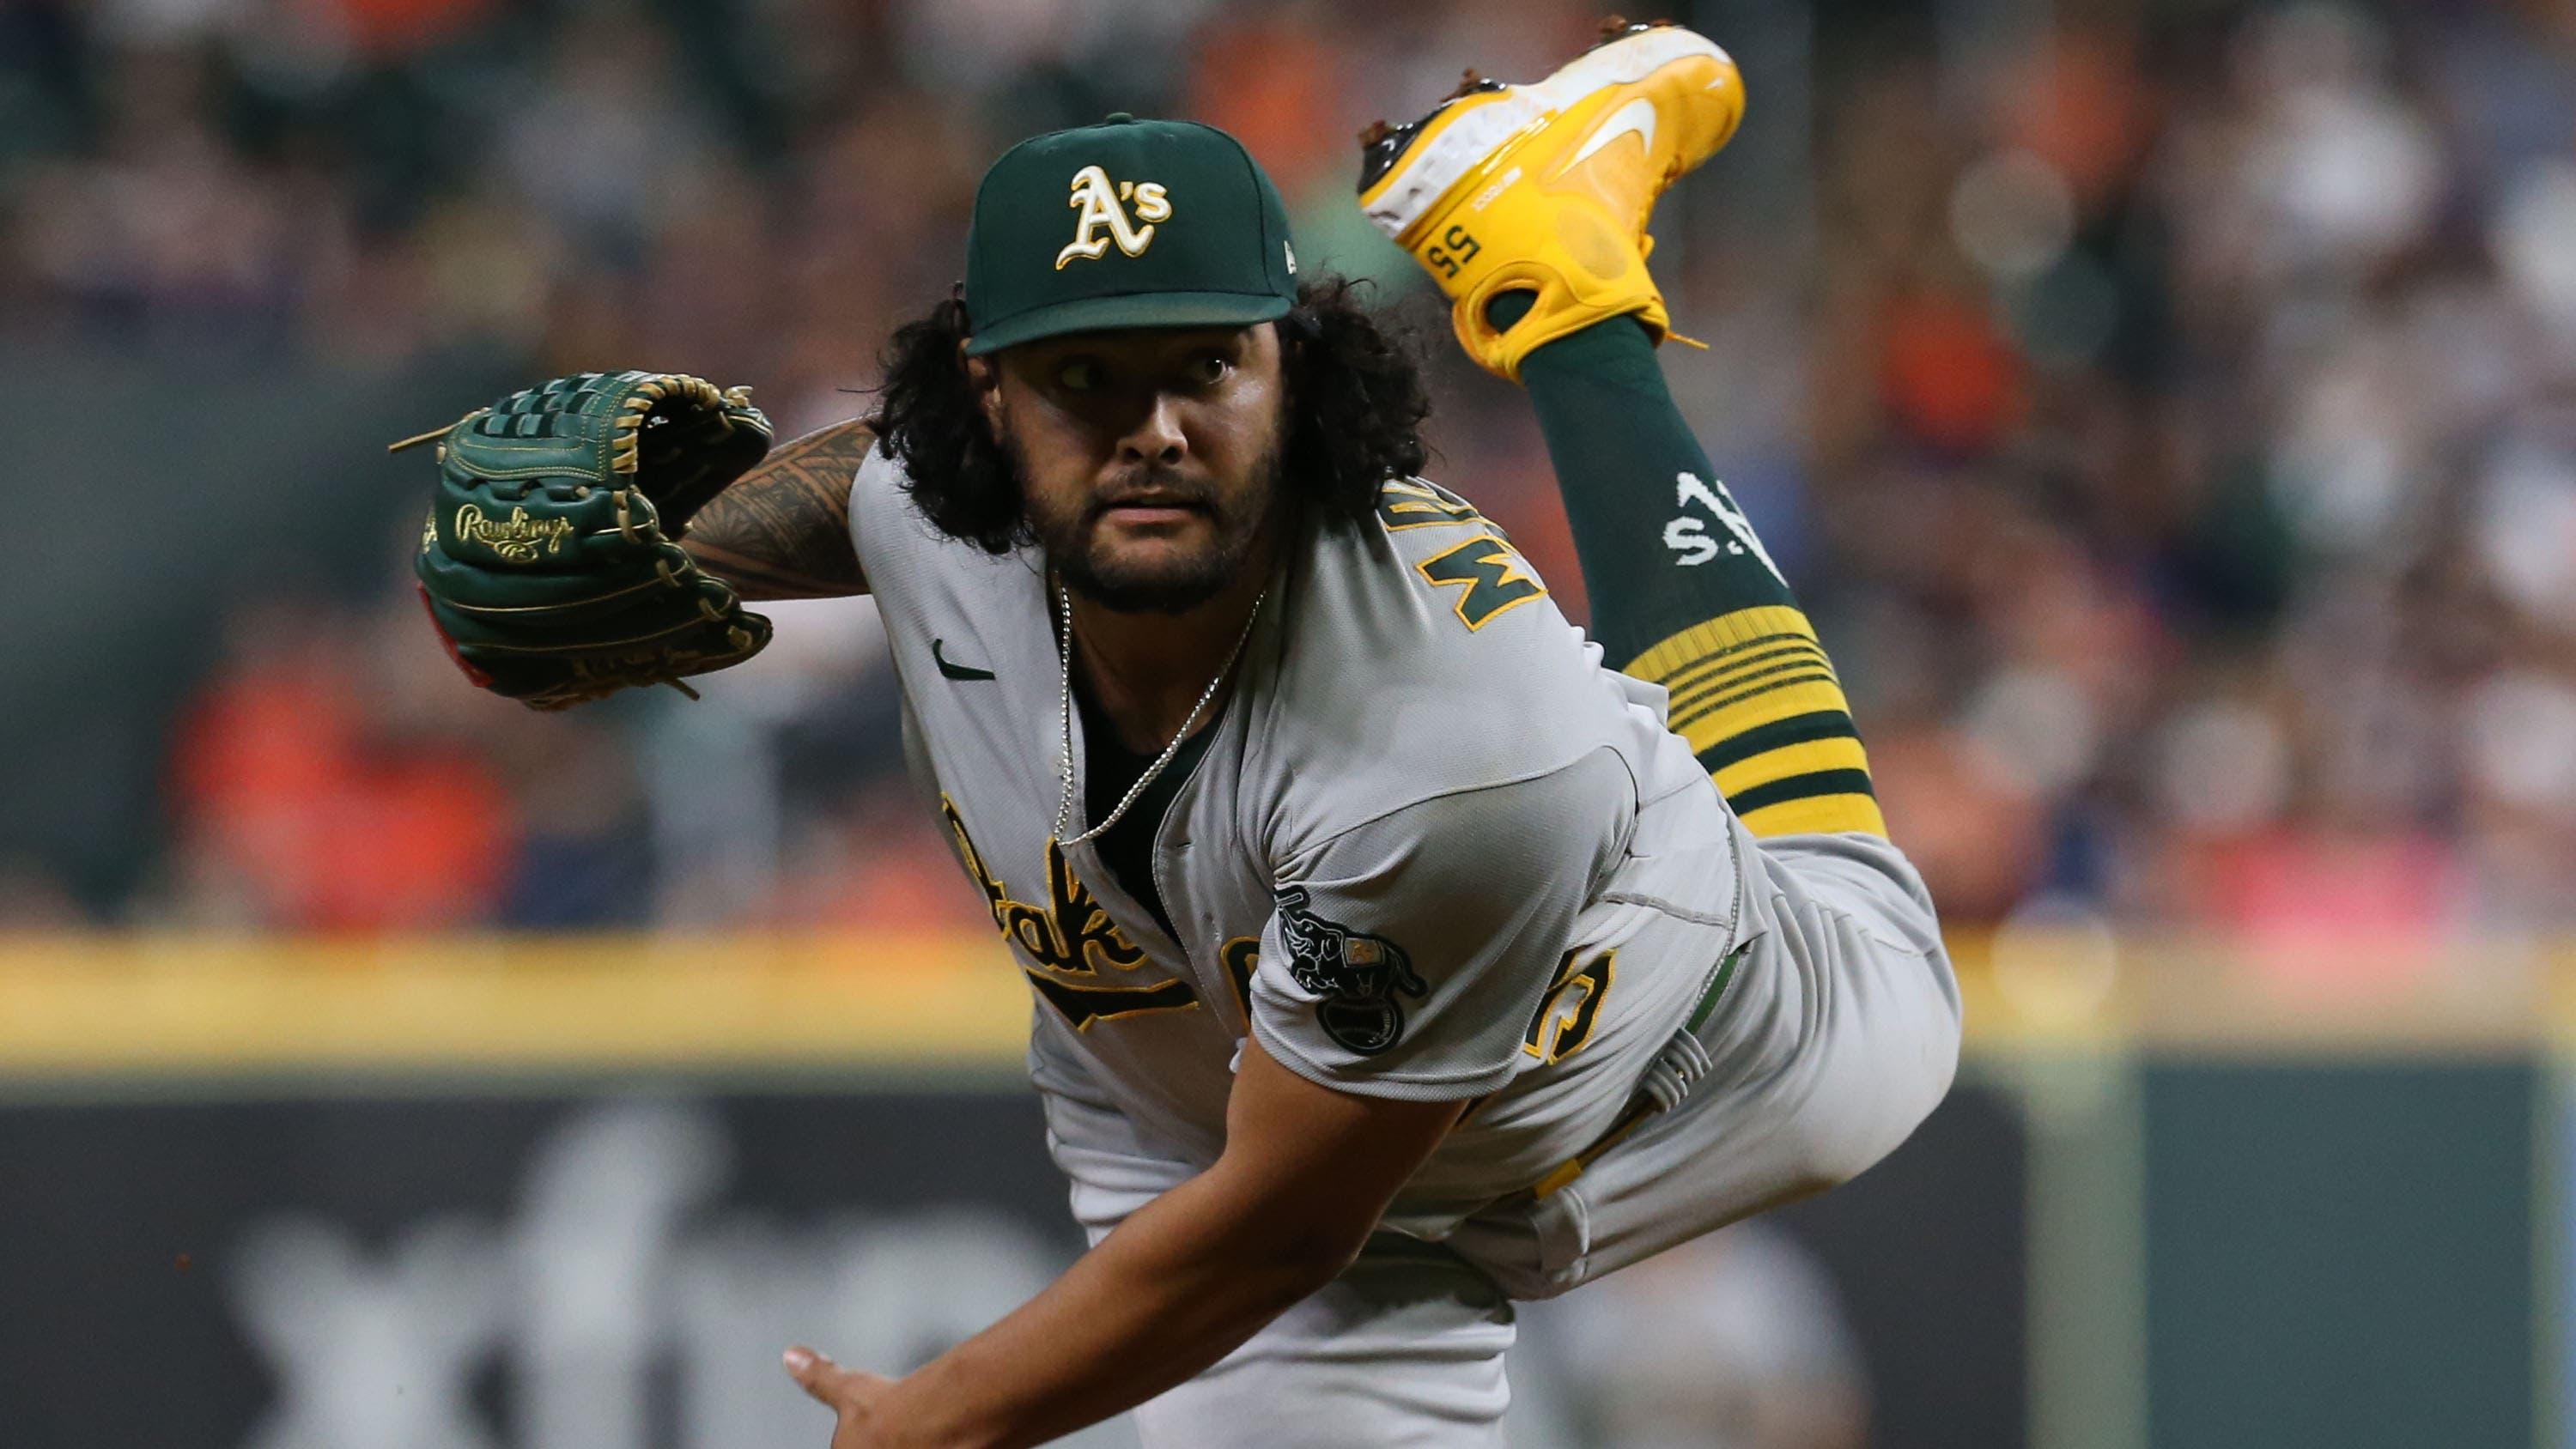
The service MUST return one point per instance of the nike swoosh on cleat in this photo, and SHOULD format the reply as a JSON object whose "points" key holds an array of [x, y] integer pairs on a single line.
{"points": [[952, 670], [1638, 116]]}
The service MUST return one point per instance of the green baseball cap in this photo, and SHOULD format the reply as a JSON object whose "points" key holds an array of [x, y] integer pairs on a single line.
{"points": [[1127, 223]]}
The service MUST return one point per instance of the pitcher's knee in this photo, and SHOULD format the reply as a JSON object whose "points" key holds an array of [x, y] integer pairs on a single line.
{"points": [[1870, 1100]]}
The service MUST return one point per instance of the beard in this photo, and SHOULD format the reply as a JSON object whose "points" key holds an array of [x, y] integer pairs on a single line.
{"points": [[1169, 582]]}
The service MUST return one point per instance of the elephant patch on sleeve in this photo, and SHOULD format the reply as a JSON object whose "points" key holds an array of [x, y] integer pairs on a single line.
{"points": [[1359, 977]]}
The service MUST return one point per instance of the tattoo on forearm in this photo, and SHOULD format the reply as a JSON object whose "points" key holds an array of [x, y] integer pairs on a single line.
{"points": [[783, 531]]}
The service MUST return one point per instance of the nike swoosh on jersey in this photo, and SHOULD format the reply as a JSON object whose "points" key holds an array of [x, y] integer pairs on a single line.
{"points": [[1638, 116], [952, 670]]}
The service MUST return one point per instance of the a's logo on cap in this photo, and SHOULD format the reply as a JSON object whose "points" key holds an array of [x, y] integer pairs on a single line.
{"points": [[1101, 203]]}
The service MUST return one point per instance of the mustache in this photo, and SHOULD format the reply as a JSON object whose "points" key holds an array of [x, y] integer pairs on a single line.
{"points": [[1152, 486]]}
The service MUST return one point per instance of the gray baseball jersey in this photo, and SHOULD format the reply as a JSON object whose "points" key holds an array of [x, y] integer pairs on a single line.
{"points": [[1434, 849]]}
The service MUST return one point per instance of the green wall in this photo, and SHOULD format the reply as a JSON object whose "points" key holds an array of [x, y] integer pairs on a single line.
{"points": [[2340, 1254]]}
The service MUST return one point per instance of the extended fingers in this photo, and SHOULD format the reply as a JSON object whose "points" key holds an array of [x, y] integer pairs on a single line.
{"points": [[827, 1381]]}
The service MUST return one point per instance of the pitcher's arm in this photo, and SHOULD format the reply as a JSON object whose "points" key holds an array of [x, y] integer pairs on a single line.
{"points": [[783, 530]]}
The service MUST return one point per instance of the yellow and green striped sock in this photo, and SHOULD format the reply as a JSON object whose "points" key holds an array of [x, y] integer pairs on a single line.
{"points": [[1716, 625], [1756, 697]]}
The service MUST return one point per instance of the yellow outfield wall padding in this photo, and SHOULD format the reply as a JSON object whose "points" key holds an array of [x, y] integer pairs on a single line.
{"points": [[178, 1003], [122, 1006]]}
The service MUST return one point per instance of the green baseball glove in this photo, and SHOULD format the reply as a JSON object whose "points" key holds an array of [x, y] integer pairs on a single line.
{"points": [[549, 562]]}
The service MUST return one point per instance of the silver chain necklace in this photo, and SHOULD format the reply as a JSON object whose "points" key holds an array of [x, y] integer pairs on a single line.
{"points": [[1064, 647]]}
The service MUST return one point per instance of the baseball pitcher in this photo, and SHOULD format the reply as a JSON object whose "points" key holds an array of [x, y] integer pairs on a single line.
{"points": [[1392, 955]]}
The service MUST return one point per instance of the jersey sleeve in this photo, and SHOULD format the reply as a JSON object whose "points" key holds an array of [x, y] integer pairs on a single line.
{"points": [[880, 534], [1406, 956]]}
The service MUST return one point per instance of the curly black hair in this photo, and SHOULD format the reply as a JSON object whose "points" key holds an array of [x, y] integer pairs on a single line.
{"points": [[1355, 394]]}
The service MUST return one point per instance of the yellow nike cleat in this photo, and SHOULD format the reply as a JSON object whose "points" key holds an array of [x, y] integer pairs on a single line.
{"points": [[1546, 188]]}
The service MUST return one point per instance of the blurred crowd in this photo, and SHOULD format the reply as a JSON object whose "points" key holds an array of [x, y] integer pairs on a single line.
{"points": [[2167, 410]]}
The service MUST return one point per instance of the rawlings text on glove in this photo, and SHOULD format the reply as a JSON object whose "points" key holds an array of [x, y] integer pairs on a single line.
{"points": [[550, 562]]}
